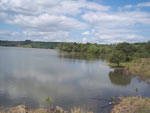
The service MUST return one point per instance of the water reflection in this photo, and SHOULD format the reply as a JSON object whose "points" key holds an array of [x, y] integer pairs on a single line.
{"points": [[27, 76], [120, 77], [79, 56], [33, 74]]}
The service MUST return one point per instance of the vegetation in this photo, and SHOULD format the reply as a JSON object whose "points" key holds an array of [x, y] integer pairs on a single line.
{"points": [[132, 105], [139, 67], [24, 109], [127, 49], [48, 101], [122, 53], [117, 57], [115, 53], [30, 44], [87, 48], [79, 110]]}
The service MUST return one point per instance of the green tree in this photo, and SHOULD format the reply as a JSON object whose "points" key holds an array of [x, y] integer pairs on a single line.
{"points": [[127, 48], [93, 49], [117, 57]]}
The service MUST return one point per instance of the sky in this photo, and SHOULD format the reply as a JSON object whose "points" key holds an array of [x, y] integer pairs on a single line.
{"points": [[94, 21]]}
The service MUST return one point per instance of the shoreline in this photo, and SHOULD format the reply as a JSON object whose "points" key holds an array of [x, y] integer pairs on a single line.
{"points": [[132, 104], [138, 67], [57, 109]]}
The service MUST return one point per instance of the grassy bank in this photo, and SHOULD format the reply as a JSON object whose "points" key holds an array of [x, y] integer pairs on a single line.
{"points": [[140, 67], [57, 109], [125, 105], [132, 105]]}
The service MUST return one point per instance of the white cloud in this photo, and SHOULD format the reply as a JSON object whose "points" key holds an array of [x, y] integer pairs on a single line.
{"points": [[86, 33], [110, 27], [144, 4], [11, 35], [113, 38], [56, 36], [47, 22], [35, 7], [3, 15], [84, 40], [106, 19], [54, 20]]}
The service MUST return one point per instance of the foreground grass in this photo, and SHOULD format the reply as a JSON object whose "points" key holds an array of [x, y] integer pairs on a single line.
{"points": [[79, 110], [24, 109], [125, 105], [132, 105]]}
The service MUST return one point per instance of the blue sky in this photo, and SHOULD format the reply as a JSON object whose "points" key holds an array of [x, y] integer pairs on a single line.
{"points": [[95, 21]]}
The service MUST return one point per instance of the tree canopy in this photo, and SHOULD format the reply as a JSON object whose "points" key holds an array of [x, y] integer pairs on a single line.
{"points": [[117, 57]]}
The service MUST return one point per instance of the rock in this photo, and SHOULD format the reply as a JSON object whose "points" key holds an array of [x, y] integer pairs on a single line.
{"points": [[24, 109], [59, 109], [19, 109]]}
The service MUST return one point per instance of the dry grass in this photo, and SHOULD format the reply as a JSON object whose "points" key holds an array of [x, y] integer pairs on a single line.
{"points": [[79, 110], [140, 67], [24, 109], [132, 105]]}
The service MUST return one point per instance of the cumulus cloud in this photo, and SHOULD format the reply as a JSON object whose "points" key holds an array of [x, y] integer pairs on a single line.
{"points": [[35, 7], [54, 20], [144, 4], [59, 36], [47, 22], [11, 35], [86, 33], [117, 19], [116, 27]]}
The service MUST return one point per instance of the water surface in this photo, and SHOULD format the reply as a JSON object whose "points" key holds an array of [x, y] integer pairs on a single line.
{"points": [[28, 76]]}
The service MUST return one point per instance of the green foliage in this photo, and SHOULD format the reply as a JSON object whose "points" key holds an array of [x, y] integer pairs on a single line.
{"points": [[137, 89], [122, 52], [131, 51], [85, 48], [30, 44], [113, 98], [127, 48], [117, 57], [93, 49], [48, 100]]}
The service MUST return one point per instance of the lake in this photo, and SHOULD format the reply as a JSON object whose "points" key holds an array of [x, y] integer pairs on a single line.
{"points": [[28, 76]]}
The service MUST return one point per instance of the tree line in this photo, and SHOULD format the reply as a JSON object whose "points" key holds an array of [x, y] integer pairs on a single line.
{"points": [[115, 53], [30, 44]]}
